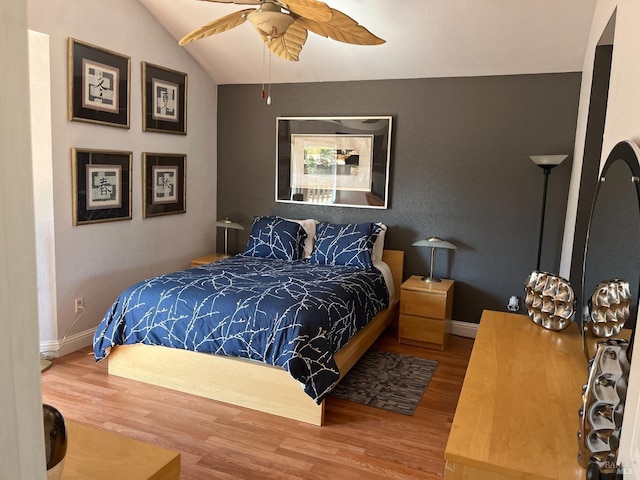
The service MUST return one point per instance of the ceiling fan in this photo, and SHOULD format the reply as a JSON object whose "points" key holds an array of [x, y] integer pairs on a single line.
{"points": [[284, 25]]}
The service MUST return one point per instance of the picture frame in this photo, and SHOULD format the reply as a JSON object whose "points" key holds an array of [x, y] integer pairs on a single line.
{"points": [[101, 182], [164, 184], [98, 85], [333, 161], [342, 162], [164, 99]]}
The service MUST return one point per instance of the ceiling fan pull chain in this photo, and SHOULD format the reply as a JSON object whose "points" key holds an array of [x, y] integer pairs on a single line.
{"points": [[269, 81], [263, 74]]}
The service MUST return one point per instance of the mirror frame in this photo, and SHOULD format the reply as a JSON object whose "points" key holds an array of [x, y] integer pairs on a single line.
{"points": [[372, 133], [628, 152]]}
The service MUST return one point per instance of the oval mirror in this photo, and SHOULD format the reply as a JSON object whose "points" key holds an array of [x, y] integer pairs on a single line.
{"points": [[613, 236]]}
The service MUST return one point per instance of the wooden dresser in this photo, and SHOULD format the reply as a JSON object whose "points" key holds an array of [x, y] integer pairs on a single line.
{"points": [[97, 454], [517, 415]]}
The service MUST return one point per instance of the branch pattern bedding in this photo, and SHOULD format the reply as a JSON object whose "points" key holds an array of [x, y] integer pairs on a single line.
{"points": [[281, 309]]}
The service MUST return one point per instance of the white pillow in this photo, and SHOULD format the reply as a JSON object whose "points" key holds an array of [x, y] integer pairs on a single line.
{"points": [[378, 247], [388, 278], [309, 226]]}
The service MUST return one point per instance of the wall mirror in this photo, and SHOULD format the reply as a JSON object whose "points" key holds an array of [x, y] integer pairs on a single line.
{"points": [[613, 235], [333, 161]]}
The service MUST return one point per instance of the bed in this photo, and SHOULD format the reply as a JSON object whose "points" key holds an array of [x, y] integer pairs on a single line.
{"points": [[284, 368]]}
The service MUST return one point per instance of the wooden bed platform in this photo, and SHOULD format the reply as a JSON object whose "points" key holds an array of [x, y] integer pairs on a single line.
{"points": [[244, 382]]}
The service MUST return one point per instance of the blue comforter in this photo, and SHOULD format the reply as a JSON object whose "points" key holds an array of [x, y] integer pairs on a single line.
{"points": [[292, 314]]}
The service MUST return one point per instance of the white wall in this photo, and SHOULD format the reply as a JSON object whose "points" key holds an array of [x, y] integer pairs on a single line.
{"points": [[622, 123], [98, 261], [40, 89], [21, 434]]}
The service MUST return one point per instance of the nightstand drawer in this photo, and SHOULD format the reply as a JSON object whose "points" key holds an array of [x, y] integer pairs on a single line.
{"points": [[423, 304], [422, 331]]}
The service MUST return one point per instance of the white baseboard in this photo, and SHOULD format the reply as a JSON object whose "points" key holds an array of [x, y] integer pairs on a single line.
{"points": [[55, 348], [464, 329]]}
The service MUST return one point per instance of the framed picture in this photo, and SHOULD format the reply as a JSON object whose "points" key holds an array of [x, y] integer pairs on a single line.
{"points": [[333, 161], [164, 183], [98, 85], [164, 100], [101, 185], [341, 162]]}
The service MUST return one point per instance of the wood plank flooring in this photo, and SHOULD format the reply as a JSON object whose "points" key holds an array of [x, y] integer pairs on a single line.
{"points": [[220, 441]]}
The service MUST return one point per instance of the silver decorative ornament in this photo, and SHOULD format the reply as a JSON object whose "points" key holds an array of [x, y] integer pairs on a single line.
{"points": [[603, 399], [550, 300], [609, 308]]}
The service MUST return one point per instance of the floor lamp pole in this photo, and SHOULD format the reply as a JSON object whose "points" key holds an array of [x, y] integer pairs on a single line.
{"points": [[546, 163], [547, 170]]}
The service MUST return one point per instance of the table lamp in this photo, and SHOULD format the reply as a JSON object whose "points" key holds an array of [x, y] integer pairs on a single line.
{"points": [[433, 242], [228, 224]]}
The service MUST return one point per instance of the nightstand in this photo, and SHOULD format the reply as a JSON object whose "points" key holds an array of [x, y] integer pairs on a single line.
{"points": [[213, 257], [425, 312]]}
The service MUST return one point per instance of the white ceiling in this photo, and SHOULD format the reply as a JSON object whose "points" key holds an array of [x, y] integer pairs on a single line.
{"points": [[424, 39]]}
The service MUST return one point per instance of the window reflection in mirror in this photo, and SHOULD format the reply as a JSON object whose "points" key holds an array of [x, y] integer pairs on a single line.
{"points": [[341, 161]]}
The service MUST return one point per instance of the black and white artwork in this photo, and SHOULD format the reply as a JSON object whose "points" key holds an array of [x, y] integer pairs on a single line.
{"points": [[101, 185], [164, 190], [98, 85]]}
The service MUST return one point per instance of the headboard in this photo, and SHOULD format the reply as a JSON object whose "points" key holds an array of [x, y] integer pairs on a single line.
{"points": [[395, 260]]}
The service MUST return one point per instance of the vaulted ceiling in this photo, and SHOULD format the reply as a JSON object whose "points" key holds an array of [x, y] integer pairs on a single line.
{"points": [[424, 39]]}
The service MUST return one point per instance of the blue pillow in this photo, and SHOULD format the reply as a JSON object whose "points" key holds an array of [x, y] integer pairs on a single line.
{"points": [[347, 244], [275, 237]]}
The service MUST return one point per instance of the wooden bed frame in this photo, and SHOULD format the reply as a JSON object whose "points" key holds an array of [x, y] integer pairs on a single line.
{"points": [[244, 382]]}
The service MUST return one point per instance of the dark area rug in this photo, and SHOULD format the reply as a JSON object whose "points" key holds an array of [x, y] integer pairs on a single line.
{"points": [[387, 380]]}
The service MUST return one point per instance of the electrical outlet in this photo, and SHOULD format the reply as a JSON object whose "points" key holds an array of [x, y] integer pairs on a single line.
{"points": [[514, 304], [79, 304]]}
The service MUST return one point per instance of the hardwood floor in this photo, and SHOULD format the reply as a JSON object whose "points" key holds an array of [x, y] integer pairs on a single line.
{"points": [[220, 441]]}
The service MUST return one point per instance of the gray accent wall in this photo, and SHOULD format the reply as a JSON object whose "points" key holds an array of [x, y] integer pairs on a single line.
{"points": [[459, 170]]}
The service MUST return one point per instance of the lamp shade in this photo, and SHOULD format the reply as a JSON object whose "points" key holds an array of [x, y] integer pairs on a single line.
{"points": [[226, 223], [548, 160], [435, 242]]}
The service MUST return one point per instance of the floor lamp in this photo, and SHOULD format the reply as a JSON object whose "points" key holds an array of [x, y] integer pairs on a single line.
{"points": [[228, 224], [546, 162]]}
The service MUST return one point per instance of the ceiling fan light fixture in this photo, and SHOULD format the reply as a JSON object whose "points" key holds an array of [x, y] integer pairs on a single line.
{"points": [[272, 24]]}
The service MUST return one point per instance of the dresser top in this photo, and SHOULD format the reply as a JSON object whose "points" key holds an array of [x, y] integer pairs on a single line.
{"points": [[518, 409], [416, 283], [100, 454]]}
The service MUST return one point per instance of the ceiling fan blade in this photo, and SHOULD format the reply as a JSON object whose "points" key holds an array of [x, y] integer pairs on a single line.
{"points": [[343, 29], [289, 45], [312, 9], [219, 25], [237, 2]]}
